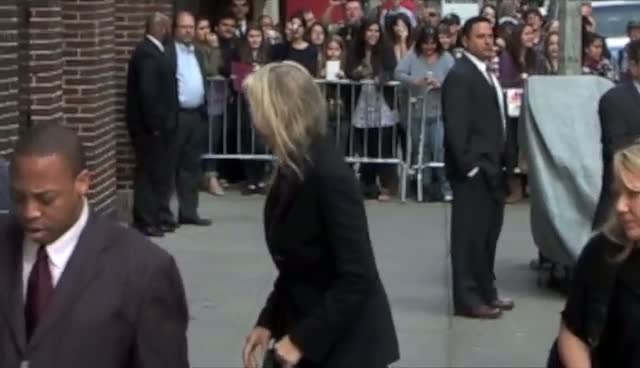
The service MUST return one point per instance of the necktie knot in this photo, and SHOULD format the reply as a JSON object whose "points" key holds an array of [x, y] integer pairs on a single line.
{"points": [[42, 254]]}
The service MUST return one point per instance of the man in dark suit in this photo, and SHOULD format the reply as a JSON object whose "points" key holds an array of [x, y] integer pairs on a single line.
{"points": [[474, 121], [191, 84], [619, 112], [78, 289], [151, 120]]}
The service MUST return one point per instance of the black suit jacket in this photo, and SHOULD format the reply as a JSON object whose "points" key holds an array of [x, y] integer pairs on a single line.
{"points": [[328, 296], [474, 132], [151, 92], [173, 62], [120, 303], [619, 112]]}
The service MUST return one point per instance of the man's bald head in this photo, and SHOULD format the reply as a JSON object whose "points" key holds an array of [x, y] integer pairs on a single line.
{"points": [[184, 27], [157, 25]]}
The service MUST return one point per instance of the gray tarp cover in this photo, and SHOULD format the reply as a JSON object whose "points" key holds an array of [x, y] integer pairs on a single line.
{"points": [[561, 139]]}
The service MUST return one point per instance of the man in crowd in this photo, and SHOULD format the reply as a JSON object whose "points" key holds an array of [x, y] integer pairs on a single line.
{"points": [[241, 9], [225, 29], [78, 289], [393, 7], [353, 16], [428, 13], [187, 62], [633, 31], [619, 111], [474, 122], [151, 121]]}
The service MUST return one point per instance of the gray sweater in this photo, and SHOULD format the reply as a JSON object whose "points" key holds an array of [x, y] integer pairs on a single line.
{"points": [[414, 67]]}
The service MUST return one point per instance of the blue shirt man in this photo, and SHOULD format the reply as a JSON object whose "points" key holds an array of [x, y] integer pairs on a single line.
{"points": [[190, 83]]}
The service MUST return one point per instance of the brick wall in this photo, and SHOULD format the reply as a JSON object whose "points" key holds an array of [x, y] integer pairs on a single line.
{"points": [[89, 89], [8, 74], [130, 16], [64, 61]]}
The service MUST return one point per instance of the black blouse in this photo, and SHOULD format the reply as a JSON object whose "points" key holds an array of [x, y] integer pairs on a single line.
{"points": [[603, 308]]}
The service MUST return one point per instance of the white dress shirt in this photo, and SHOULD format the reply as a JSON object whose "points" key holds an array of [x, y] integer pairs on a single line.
{"points": [[155, 42], [190, 82], [493, 81], [59, 252]]}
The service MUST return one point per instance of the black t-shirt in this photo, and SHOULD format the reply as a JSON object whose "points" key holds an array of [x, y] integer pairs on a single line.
{"points": [[598, 282], [620, 344]]}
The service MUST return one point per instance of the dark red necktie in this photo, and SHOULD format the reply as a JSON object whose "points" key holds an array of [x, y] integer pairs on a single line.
{"points": [[39, 291]]}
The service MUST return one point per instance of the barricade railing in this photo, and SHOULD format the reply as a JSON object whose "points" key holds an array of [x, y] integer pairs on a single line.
{"points": [[365, 119]]}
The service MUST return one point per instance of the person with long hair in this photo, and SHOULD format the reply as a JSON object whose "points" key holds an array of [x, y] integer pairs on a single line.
{"points": [[600, 324], [253, 50], [552, 53], [296, 47], [423, 72], [595, 56], [400, 31], [490, 12], [371, 58], [519, 59], [317, 36], [328, 307]]}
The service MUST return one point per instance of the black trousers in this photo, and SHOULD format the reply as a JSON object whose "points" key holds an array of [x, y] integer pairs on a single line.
{"points": [[476, 221], [187, 151], [152, 178]]}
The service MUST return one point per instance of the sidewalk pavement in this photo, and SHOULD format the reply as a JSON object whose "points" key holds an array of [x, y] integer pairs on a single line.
{"points": [[228, 274]]}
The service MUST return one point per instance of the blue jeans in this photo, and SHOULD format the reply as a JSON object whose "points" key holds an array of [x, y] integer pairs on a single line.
{"points": [[433, 151]]}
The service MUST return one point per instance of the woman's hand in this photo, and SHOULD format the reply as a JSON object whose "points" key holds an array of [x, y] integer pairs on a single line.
{"points": [[287, 353], [433, 83], [257, 342]]}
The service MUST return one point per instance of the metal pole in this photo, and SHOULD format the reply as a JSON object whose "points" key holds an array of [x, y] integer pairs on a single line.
{"points": [[570, 36]]}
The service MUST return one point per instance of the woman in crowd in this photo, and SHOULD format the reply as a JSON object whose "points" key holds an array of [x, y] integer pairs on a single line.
{"points": [[317, 35], [423, 72], [254, 51], [534, 18], [517, 62], [519, 59], [445, 38], [489, 11], [600, 324], [372, 59], [207, 43], [297, 48], [328, 307], [594, 57], [339, 102], [400, 34], [552, 53]]}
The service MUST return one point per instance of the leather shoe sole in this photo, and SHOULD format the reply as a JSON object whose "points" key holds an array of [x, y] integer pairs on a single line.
{"points": [[480, 312]]}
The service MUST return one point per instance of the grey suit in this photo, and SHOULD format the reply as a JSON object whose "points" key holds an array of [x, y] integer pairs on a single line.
{"points": [[120, 303]]}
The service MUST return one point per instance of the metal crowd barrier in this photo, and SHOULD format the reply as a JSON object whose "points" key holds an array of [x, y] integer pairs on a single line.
{"points": [[359, 119]]}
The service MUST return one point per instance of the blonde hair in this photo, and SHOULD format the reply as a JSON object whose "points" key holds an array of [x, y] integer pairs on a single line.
{"points": [[287, 103], [625, 162]]}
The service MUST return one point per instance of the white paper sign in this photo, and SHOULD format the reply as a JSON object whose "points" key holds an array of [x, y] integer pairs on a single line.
{"points": [[333, 69], [514, 102]]}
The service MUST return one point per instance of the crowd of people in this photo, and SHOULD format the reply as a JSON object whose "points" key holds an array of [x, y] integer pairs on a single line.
{"points": [[407, 41]]}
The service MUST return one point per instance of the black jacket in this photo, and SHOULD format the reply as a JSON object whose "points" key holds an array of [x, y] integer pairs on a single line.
{"points": [[474, 132], [619, 112], [152, 101], [328, 296]]}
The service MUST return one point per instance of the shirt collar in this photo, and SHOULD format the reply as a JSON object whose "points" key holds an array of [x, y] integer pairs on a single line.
{"points": [[185, 47], [61, 249], [477, 62], [156, 42]]}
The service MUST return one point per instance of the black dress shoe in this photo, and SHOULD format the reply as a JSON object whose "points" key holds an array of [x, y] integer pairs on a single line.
{"points": [[196, 222], [150, 231], [167, 228], [480, 312], [505, 304]]}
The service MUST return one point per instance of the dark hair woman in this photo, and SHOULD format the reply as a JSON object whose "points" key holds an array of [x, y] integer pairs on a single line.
{"points": [[552, 52], [253, 50], [519, 59], [372, 59], [595, 56], [399, 31], [423, 72], [296, 48]]}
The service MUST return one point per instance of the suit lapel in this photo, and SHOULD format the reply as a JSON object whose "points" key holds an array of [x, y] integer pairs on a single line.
{"points": [[633, 91], [82, 268], [11, 283], [170, 49]]}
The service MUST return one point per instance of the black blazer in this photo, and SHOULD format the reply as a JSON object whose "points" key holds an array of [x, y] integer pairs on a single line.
{"points": [[328, 296], [173, 62], [474, 134], [151, 105], [619, 112], [120, 303]]}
